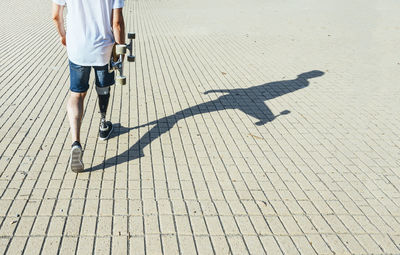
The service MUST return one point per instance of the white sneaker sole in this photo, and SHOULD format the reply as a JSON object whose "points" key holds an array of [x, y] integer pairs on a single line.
{"points": [[76, 159]]}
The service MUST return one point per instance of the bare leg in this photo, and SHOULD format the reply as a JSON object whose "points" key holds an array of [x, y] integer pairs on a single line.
{"points": [[75, 114]]}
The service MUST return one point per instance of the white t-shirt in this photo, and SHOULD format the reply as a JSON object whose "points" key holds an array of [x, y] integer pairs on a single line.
{"points": [[89, 33]]}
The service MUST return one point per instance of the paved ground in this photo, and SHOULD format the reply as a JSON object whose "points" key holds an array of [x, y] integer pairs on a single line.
{"points": [[247, 127]]}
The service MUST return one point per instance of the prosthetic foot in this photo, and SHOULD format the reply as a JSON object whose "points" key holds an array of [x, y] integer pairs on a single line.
{"points": [[105, 129]]}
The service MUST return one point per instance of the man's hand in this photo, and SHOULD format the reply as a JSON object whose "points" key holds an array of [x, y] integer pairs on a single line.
{"points": [[58, 18], [64, 40], [114, 55]]}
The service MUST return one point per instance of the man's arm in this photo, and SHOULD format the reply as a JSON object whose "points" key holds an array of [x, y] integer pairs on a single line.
{"points": [[58, 18], [118, 25]]}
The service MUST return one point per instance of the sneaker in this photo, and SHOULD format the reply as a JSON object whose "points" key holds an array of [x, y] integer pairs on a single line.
{"points": [[76, 157], [105, 130]]}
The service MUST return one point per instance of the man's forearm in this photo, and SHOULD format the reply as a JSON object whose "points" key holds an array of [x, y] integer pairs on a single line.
{"points": [[60, 26], [58, 19], [118, 25], [119, 32]]}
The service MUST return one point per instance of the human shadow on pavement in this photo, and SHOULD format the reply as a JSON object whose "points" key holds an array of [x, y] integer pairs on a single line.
{"points": [[248, 100]]}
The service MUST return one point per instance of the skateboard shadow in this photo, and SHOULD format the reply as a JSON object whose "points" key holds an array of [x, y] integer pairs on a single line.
{"points": [[248, 100]]}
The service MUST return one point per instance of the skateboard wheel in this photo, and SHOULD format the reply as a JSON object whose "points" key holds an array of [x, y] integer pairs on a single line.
{"points": [[131, 58], [121, 80], [131, 35], [120, 49]]}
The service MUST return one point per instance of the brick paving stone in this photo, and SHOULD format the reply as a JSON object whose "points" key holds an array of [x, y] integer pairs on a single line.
{"points": [[50, 245], [24, 226], [153, 244], [303, 245], [170, 244], [319, 245], [34, 245], [351, 243], [88, 227], [271, 245], [68, 244], [335, 244], [204, 245], [254, 244], [237, 245], [187, 244], [370, 244], [102, 245], [85, 244], [386, 243], [224, 141], [17, 245], [220, 244], [287, 245], [119, 244], [199, 225]]}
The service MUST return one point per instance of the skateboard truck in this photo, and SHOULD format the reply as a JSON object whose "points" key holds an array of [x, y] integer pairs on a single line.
{"points": [[120, 51]]}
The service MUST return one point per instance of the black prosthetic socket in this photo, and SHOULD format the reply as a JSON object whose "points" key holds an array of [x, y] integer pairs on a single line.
{"points": [[103, 104], [104, 97]]}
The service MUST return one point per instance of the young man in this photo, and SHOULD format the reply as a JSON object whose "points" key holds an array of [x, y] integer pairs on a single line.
{"points": [[93, 27]]}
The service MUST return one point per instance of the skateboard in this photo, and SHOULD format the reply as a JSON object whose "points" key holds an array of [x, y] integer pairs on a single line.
{"points": [[116, 62]]}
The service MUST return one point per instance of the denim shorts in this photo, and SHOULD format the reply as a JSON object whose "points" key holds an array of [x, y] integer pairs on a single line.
{"points": [[79, 77]]}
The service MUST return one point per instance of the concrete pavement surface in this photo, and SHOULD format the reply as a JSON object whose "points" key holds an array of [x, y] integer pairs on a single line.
{"points": [[246, 127]]}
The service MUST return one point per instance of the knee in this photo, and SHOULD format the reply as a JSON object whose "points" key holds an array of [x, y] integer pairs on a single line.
{"points": [[78, 95]]}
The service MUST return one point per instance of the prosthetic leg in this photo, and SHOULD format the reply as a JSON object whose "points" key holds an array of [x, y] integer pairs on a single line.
{"points": [[105, 126]]}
